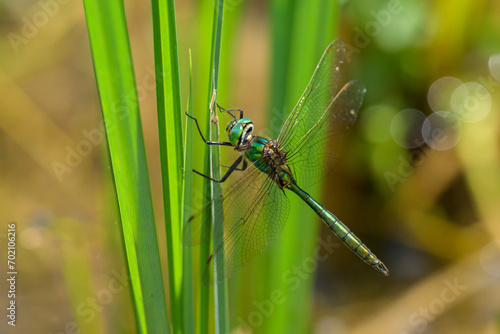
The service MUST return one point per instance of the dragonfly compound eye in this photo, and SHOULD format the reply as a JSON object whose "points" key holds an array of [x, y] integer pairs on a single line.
{"points": [[230, 126], [234, 133]]}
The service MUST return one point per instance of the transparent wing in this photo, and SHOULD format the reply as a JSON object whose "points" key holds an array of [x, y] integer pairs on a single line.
{"points": [[320, 148], [315, 132], [316, 98], [255, 212]]}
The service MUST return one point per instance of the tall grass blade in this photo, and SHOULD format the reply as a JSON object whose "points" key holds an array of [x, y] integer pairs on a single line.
{"points": [[116, 83], [213, 168], [168, 99], [187, 265], [203, 300]]}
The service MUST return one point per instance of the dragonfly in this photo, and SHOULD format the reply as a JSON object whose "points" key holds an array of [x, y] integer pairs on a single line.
{"points": [[254, 199]]}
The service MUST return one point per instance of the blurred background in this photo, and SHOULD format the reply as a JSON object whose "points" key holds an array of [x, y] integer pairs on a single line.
{"points": [[419, 181]]}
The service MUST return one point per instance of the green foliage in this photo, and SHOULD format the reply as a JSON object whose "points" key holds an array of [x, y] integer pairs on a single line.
{"points": [[168, 100], [213, 165], [116, 83], [130, 170]]}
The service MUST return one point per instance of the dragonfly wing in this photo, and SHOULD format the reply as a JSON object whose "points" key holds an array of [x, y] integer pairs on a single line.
{"points": [[320, 148], [255, 212], [256, 218], [232, 193], [315, 132], [316, 98]]}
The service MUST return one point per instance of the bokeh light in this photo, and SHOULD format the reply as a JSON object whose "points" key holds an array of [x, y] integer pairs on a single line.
{"points": [[494, 65], [490, 258], [441, 130], [440, 93], [471, 102], [405, 128]]}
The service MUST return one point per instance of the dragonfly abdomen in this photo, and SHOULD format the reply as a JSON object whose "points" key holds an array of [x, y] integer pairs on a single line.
{"points": [[341, 231]]}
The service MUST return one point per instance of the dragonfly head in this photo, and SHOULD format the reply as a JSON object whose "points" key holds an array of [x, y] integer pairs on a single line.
{"points": [[239, 131]]}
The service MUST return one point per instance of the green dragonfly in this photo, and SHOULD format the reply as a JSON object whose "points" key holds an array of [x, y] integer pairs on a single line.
{"points": [[254, 203]]}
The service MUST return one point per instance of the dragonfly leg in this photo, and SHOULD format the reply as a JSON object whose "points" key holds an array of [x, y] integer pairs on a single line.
{"points": [[229, 172], [243, 167], [228, 111], [222, 143]]}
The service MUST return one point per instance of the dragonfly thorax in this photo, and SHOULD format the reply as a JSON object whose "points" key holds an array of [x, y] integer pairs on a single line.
{"points": [[240, 132], [269, 158]]}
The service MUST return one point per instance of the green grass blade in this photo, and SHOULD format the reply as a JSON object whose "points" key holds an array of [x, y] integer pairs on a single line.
{"points": [[213, 167], [203, 301], [220, 290], [281, 25], [116, 83], [310, 32], [187, 286], [171, 151]]}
